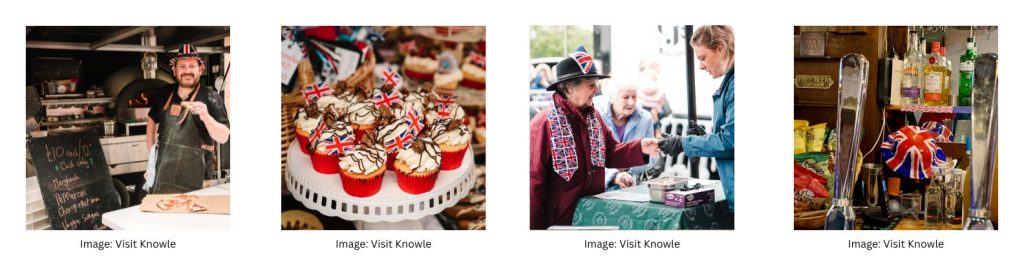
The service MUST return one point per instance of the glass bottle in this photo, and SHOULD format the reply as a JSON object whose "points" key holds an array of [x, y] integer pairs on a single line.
{"points": [[910, 90], [933, 201], [954, 210], [947, 97], [934, 77], [963, 98]]}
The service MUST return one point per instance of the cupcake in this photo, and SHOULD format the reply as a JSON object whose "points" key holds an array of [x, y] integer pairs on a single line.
{"points": [[420, 68], [448, 75], [395, 136], [362, 170], [453, 139], [475, 71], [334, 141], [417, 167], [306, 120], [361, 114]]}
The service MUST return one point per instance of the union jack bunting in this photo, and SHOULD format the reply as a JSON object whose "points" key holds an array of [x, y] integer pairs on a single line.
{"points": [[911, 152], [314, 91], [939, 131], [563, 145], [583, 59], [414, 119], [339, 144]]}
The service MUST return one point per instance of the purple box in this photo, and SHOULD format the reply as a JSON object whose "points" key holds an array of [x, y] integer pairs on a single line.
{"points": [[683, 199]]}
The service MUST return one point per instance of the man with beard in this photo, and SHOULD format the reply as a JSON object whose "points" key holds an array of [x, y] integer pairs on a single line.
{"points": [[189, 119]]}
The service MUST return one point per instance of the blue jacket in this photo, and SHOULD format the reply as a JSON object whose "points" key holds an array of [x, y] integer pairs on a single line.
{"points": [[720, 142], [639, 125]]}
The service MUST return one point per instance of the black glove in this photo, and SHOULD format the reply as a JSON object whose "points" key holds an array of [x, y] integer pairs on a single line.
{"points": [[695, 129], [671, 146]]}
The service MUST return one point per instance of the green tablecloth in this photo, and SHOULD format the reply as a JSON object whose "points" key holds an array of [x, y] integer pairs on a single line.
{"points": [[592, 211]]}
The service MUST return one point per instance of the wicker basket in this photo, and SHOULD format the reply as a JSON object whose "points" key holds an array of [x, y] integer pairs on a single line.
{"points": [[293, 101], [809, 220]]}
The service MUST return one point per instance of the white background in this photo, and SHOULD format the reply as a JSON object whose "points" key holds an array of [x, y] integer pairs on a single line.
{"points": [[764, 41]]}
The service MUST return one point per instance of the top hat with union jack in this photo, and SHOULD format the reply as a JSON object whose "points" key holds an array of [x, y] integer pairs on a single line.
{"points": [[186, 51], [577, 65]]}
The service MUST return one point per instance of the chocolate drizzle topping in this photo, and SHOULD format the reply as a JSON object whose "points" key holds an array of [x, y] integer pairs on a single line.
{"points": [[386, 116], [343, 88], [420, 148], [353, 114], [361, 93], [312, 110], [329, 116]]}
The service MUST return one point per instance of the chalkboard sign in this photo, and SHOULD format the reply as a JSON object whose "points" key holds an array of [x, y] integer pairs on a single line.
{"points": [[74, 180]]}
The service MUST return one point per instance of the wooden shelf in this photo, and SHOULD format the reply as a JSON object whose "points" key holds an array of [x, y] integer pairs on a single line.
{"points": [[814, 104], [817, 58]]}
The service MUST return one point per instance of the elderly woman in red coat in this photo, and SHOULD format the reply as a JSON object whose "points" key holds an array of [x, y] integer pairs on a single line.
{"points": [[570, 145]]}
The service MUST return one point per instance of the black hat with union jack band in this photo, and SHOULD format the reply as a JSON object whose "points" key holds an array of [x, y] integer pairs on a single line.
{"points": [[577, 65]]}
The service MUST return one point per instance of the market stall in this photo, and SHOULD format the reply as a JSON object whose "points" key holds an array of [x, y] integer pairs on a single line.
{"points": [[632, 209]]}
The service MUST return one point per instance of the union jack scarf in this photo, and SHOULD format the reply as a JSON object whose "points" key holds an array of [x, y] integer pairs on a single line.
{"points": [[563, 145]]}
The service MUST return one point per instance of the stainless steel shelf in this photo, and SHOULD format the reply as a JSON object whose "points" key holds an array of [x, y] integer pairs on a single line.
{"points": [[76, 121], [47, 102]]}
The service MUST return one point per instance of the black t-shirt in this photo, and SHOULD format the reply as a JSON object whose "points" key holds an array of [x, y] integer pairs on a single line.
{"points": [[214, 105]]}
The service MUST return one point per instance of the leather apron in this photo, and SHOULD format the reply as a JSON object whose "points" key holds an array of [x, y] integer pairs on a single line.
{"points": [[181, 163]]}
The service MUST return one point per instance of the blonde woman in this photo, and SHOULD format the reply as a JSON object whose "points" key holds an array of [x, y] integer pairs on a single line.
{"points": [[715, 48]]}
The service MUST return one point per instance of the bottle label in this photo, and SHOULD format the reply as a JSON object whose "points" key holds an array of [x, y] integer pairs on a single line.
{"points": [[911, 92], [932, 82], [967, 65]]}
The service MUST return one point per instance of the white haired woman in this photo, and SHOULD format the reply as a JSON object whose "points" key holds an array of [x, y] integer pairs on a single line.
{"points": [[622, 115]]}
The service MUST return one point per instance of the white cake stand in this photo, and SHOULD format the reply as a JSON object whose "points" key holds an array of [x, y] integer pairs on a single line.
{"points": [[323, 192]]}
